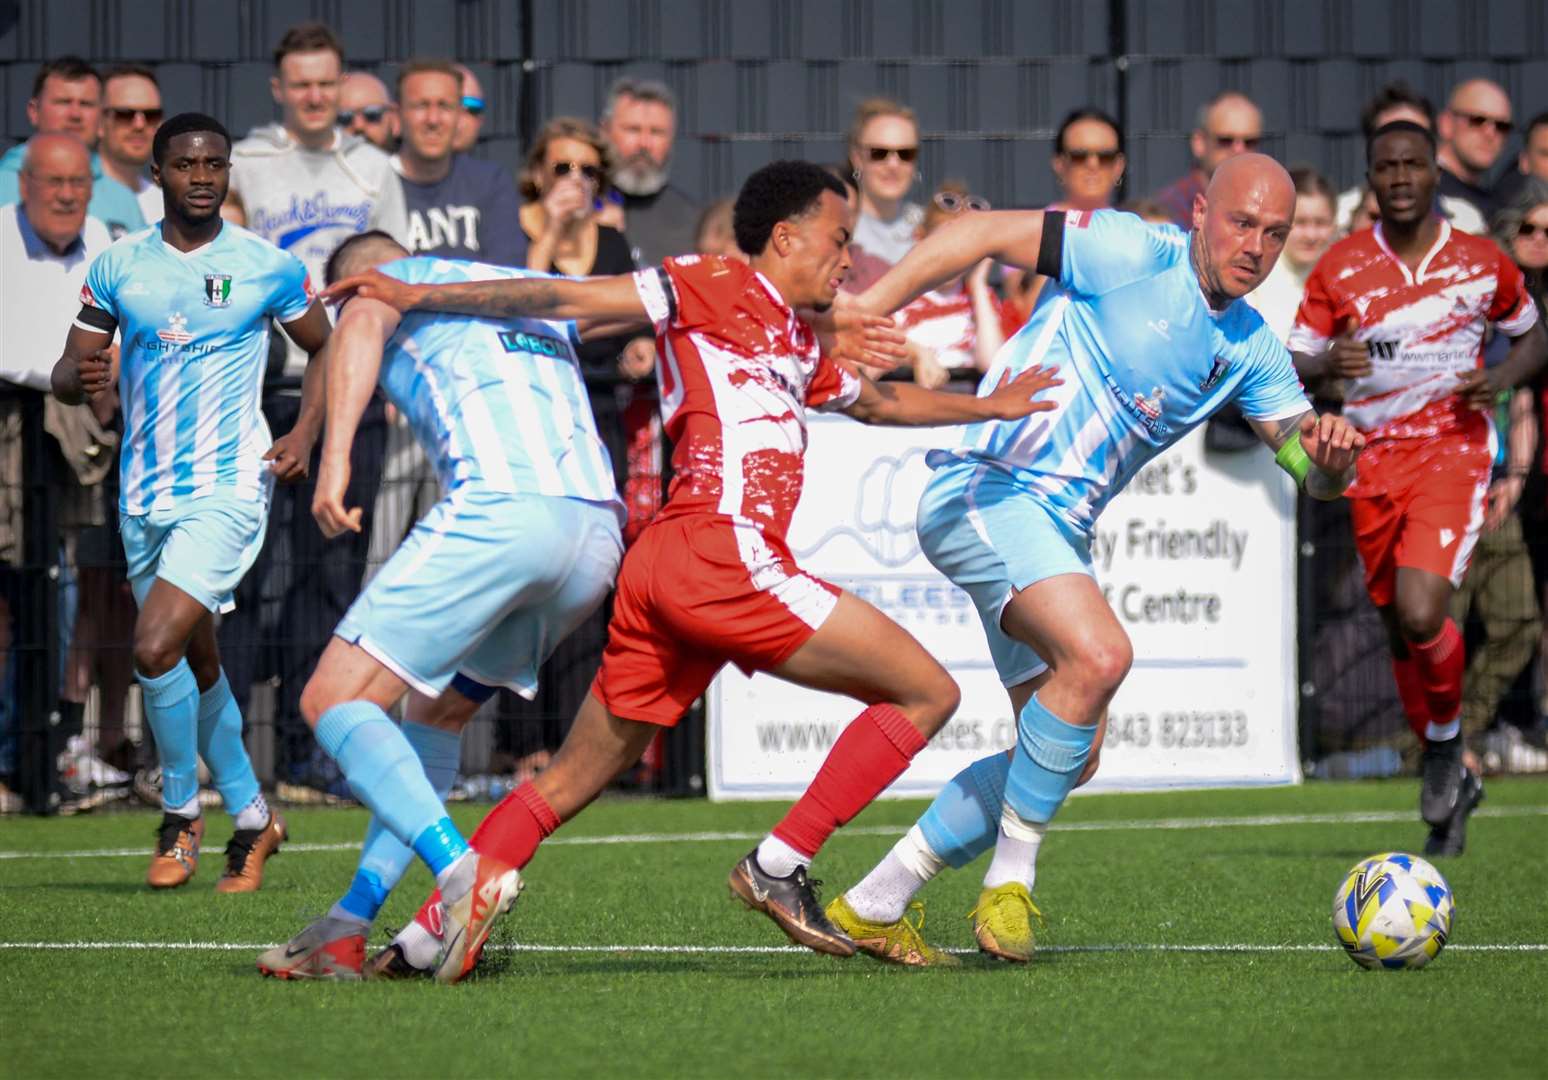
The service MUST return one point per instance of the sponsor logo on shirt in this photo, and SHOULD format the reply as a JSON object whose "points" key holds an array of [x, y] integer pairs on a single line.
{"points": [[515, 341], [217, 290], [175, 340], [176, 332]]}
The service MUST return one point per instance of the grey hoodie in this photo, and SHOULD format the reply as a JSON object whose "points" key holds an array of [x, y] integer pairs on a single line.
{"points": [[308, 202]]}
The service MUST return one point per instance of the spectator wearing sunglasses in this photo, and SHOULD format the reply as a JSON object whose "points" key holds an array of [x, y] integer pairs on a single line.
{"points": [[131, 113], [1472, 131], [471, 121], [1227, 124], [366, 109], [459, 207], [883, 151], [1531, 162]]}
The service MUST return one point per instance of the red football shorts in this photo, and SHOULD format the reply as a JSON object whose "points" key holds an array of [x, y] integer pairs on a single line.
{"points": [[695, 592], [1429, 515]]}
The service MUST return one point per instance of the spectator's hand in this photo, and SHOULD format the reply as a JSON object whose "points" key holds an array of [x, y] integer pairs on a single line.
{"points": [[612, 215], [872, 341], [638, 360], [1477, 389], [568, 201], [290, 457], [374, 285], [1348, 358], [978, 278], [929, 372], [95, 371], [1014, 398], [1503, 496], [1331, 442], [328, 500]]}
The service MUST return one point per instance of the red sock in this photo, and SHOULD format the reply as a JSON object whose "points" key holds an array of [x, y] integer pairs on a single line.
{"points": [[1441, 663], [1410, 684], [511, 832], [872, 752]]}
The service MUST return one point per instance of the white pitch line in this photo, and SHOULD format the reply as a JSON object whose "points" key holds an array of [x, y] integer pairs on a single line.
{"points": [[719, 950], [1362, 817]]}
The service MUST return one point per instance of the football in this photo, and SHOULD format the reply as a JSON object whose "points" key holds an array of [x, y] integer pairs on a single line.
{"points": [[1393, 911]]}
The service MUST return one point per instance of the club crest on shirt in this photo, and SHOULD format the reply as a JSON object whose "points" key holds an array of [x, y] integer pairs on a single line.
{"points": [[1216, 370], [217, 290]]}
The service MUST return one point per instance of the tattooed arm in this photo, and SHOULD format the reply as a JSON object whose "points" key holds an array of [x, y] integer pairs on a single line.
{"points": [[1318, 451], [612, 299]]}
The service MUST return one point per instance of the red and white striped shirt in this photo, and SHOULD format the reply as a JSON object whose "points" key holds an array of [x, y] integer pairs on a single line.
{"points": [[738, 370]]}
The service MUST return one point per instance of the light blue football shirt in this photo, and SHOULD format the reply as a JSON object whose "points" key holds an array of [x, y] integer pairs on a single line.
{"points": [[195, 339], [1143, 359], [498, 401]]}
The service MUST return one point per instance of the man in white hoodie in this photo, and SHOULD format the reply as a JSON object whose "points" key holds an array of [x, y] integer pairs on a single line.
{"points": [[306, 186]]}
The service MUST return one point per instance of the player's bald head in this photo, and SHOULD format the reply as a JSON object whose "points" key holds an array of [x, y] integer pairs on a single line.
{"points": [[360, 253], [58, 151], [1240, 224], [1255, 180]]}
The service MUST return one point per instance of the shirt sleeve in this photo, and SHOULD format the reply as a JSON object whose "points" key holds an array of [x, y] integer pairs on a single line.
{"points": [[99, 306], [1316, 318], [1102, 250], [832, 388], [1271, 389], [1512, 309], [292, 291]]}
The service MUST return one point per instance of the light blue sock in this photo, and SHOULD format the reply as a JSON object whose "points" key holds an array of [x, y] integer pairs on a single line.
{"points": [[172, 710], [221, 747], [384, 773], [962, 822], [1049, 757], [383, 857]]}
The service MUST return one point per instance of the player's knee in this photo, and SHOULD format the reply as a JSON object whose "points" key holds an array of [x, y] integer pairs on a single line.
{"points": [[944, 697], [1421, 621], [155, 653], [316, 699], [1102, 663]]}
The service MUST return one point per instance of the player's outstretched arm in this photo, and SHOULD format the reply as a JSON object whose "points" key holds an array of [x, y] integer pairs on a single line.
{"points": [[907, 405], [86, 369], [291, 454], [351, 362], [600, 298], [1012, 236], [1318, 452], [1527, 356]]}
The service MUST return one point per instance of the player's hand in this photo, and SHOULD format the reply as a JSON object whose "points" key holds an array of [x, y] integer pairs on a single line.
{"points": [[1502, 498], [374, 285], [1331, 442], [1476, 388], [872, 341], [1014, 398], [290, 458], [328, 500], [1348, 358], [95, 370], [638, 359]]}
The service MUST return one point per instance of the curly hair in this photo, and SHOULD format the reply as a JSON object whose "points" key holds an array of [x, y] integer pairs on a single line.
{"points": [[563, 127], [780, 191]]}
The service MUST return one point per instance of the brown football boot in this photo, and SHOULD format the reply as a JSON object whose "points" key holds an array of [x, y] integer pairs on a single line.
{"points": [[177, 851], [247, 851]]}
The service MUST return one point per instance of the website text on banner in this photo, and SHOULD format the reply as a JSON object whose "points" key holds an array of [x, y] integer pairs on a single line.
{"points": [[1196, 556]]}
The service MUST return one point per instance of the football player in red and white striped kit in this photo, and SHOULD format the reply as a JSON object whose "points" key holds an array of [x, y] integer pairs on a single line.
{"points": [[711, 580], [1398, 314]]}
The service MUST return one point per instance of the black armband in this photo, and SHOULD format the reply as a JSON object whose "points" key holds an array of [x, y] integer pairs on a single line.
{"points": [[94, 318], [1050, 253]]}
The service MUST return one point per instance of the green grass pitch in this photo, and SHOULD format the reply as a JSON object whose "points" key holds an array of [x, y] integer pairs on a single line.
{"points": [[1180, 943]]}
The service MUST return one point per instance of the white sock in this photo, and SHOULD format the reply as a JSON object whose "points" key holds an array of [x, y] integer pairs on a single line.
{"points": [[1015, 852], [255, 815], [189, 809], [420, 947], [1443, 732], [884, 894], [343, 914], [778, 858], [449, 871]]}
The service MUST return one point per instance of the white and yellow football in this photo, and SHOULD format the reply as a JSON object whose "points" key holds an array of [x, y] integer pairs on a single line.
{"points": [[1393, 911]]}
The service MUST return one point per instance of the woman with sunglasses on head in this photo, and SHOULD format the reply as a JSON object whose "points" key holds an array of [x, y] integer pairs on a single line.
{"points": [[884, 152]]}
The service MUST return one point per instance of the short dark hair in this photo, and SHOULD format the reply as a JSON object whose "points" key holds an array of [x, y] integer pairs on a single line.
{"points": [[308, 37], [183, 124], [1540, 120], [1390, 96], [1398, 127], [124, 71], [68, 68], [341, 264], [1308, 181], [1086, 112], [780, 191]]}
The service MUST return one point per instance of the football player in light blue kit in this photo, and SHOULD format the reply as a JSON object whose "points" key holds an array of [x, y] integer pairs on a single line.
{"points": [[522, 547], [1150, 339], [192, 297]]}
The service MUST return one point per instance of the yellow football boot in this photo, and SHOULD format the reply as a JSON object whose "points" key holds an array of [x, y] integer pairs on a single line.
{"points": [[895, 942], [1002, 922]]}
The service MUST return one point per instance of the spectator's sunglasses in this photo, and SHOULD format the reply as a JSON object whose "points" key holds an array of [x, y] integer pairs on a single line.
{"points": [[951, 202], [1226, 142], [906, 154], [1529, 230], [1478, 120], [474, 106], [1086, 157], [371, 113], [590, 172], [126, 116]]}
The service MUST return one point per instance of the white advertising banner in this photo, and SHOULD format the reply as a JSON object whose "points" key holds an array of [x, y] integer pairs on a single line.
{"points": [[1196, 557]]}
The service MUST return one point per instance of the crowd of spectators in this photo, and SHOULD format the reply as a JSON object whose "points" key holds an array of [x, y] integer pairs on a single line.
{"points": [[594, 196]]}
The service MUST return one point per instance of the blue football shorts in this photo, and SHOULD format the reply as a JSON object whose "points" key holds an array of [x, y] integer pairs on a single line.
{"points": [[203, 546]]}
